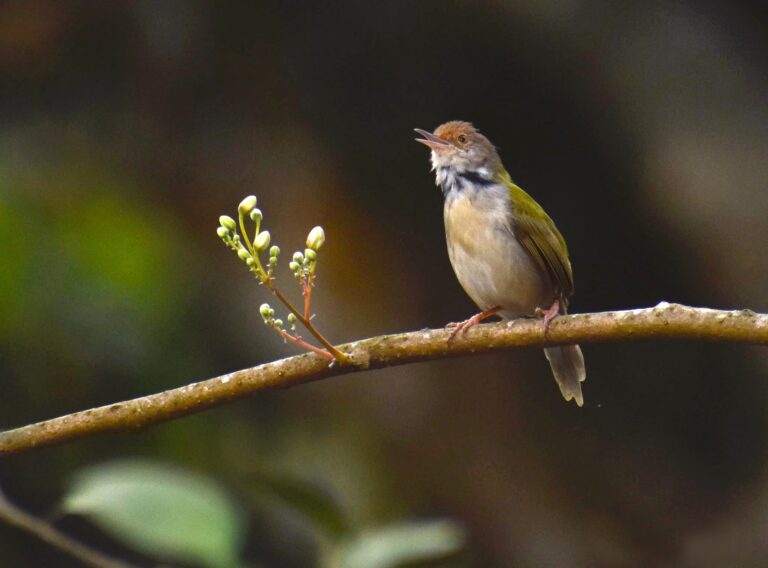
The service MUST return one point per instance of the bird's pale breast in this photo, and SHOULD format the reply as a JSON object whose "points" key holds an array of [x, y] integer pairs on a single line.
{"points": [[492, 267]]}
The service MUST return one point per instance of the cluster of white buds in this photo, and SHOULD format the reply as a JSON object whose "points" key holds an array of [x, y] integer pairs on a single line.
{"points": [[227, 232], [227, 224], [303, 264], [297, 265], [253, 251], [274, 253], [268, 315]]}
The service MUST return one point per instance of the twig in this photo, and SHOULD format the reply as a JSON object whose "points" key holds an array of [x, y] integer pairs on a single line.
{"points": [[14, 516], [306, 322], [306, 291], [303, 344], [251, 255], [665, 321]]}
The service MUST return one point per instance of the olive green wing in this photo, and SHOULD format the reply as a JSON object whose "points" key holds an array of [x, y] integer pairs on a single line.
{"points": [[536, 231]]}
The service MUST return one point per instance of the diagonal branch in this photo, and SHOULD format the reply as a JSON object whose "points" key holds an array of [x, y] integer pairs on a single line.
{"points": [[46, 532], [665, 321]]}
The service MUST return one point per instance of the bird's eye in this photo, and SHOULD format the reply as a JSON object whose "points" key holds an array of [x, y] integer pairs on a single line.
{"points": [[462, 139]]}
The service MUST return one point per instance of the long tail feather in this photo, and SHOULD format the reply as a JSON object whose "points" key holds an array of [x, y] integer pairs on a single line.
{"points": [[567, 364]]}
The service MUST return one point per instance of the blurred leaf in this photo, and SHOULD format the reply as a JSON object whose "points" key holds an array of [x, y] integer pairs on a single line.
{"points": [[160, 510], [307, 498], [400, 544]]}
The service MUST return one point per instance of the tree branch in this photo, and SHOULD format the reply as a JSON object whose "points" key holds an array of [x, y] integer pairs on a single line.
{"points": [[49, 534], [665, 321]]}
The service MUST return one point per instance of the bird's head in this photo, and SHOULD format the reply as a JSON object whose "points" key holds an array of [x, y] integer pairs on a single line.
{"points": [[460, 146]]}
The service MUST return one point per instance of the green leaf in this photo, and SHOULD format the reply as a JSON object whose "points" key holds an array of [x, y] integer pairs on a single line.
{"points": [[160, 510], [403, 543]]}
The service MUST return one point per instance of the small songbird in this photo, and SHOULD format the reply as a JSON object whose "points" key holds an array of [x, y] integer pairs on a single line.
{"points": [[506, 251]]}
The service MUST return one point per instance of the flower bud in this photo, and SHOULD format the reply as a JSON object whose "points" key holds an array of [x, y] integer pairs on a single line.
{"points": [[243, 254], [274, 251], [294, 266], [247, 205], [316, 238], [311, 255], [227, 222], [278, 323], [262, 241], [265, 310], [256, 216], [223, 232], [251, 261], [291, 318], [298, 257]]}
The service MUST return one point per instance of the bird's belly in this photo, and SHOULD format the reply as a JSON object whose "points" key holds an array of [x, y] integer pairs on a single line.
{"points": [[492, 266], [501, 275]]}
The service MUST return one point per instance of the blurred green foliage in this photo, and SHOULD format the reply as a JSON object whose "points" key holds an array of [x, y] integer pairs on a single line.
{"points": [[164, 511], [401, 544], [176, 515]]}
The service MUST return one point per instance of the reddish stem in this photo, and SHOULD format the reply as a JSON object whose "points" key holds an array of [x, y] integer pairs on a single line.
{"points": [[338, 355], [299, 341], [306, 291]]}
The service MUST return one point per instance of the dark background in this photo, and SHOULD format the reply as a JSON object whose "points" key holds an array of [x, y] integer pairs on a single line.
{"points": [[127, 128]]}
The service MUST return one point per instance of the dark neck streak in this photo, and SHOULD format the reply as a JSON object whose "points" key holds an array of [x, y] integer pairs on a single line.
{"points": [[454, 182]]}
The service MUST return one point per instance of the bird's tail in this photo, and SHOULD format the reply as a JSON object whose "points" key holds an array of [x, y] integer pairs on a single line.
{"points": [[568, 366]]}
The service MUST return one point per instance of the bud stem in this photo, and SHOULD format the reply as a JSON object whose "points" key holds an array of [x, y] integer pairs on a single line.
{"points": [[258, 229], [306, 322], [306, 291], [259, 269], [245, 233], [301, 343]]}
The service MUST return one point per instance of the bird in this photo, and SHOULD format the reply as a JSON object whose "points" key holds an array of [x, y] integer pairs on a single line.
{"points": [[507, 253]]}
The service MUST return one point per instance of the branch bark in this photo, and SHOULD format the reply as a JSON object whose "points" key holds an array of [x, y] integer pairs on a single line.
{"points": [[663, 322]]}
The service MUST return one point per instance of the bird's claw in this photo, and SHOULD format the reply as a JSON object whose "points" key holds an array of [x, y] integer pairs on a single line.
{"points": [[549, 314], [463, 326]]}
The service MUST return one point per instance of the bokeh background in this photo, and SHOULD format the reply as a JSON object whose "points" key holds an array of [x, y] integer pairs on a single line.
{"points": [[127, 128]]}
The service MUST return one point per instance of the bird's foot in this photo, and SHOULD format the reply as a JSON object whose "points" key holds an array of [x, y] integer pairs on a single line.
{"points": [[463, 326], [549, 314]]}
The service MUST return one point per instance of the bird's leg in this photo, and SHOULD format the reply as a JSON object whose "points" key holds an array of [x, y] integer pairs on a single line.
{"points": [[462, 327], [549, 314]]}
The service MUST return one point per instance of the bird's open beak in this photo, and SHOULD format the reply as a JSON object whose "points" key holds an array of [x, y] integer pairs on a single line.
{"points": [[429, 139]]}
